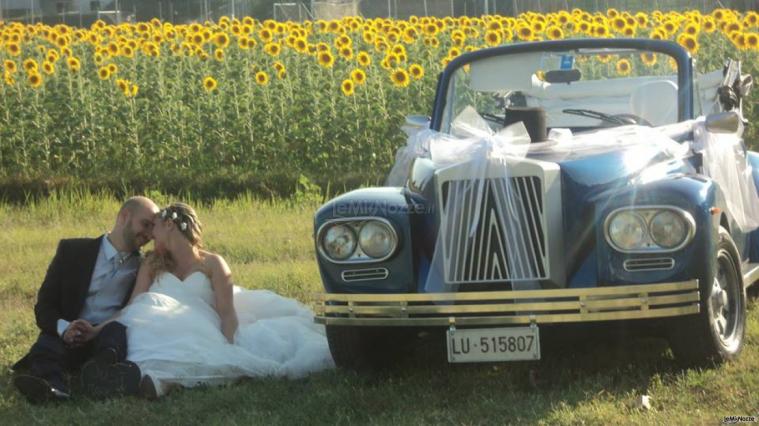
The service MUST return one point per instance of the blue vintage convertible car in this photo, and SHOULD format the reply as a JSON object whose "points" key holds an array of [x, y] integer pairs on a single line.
{"points": [[565, 181]]}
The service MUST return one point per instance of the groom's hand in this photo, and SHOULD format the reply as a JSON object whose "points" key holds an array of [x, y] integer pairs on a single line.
{"points": [[79, 332]]}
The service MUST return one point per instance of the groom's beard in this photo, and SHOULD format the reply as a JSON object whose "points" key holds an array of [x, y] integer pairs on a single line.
{"points": [[134, 240]]}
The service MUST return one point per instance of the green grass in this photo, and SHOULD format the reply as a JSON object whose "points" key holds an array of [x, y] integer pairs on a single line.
{"points": [[584, 379]]}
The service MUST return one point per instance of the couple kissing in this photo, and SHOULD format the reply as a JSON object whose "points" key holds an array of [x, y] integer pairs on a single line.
{"points": [[131, 324]]}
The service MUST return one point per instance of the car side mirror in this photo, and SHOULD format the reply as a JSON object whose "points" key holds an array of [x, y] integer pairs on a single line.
{"points": [[414, 123], [723, 122], [417, 121]]}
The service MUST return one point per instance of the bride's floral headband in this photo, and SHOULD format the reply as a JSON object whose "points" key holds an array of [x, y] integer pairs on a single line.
{"points": [[181, 222]]}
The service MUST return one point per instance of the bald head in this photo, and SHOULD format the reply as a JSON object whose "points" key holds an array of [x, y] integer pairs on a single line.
{"points": [[134, 224], [134, 204]]}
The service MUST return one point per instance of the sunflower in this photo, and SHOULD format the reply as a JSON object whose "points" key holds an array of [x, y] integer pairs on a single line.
{"points": [[709, 25], [689, 42], [197, 39], [619, 24], [113, 68], [752, 40], [127, 51], [301, 45], [346, 52], [123, 85], [273, 49], [113, 48], [648, 58], [326, 59], [554, 33], [692, 28], [262, 78], [265, 35], [210, 84], [30, 65], [600, 31], [104, 73], [35, 80], [9, 66], [221, 40], [347, 87], [400, 78], [363, 59], [9, 80], [624, 67], [493, 38], [279, 66], [218, 54], [524, 32], [417, 71], [358, 76], [48, 68], [14, 49], [603, 58], [52, 56], [642, 19]]}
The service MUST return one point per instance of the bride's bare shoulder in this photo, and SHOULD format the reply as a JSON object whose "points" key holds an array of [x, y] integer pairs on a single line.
{"points": [[214, 263]]}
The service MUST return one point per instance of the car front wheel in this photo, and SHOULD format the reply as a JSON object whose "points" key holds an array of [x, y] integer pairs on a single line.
{"points": [[716, 335]]}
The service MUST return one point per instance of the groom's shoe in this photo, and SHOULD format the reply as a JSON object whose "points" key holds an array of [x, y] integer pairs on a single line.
{"points": [[148, 388], [102, 377], [38, 390]]}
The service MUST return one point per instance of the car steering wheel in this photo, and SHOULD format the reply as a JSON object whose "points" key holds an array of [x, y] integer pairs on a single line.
{"points": [[633, 119]]}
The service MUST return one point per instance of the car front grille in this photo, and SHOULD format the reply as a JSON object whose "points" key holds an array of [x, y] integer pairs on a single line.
{"points": [[508, 242]]}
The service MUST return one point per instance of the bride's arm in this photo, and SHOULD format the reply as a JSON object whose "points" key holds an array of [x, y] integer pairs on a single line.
{"points": [[222, 288], [144, 277]]}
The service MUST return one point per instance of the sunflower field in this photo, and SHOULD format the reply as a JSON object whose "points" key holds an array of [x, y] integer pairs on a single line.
{"points": [[253, 105]]}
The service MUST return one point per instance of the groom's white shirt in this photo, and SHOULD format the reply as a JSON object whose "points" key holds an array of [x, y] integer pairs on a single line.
{"points": [[108, 285]]}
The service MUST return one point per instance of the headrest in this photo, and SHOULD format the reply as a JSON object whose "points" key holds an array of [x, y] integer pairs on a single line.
{"points": [[534, 119]]}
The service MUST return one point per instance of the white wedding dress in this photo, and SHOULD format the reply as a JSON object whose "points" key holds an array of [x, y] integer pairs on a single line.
{"points": [[174, 335]]}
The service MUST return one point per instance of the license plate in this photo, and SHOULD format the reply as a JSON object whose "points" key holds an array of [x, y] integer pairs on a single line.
{"points": [[493, 344]]}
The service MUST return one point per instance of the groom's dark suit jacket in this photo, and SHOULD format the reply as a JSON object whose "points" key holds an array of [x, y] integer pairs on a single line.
{"points": [[67, 282]]}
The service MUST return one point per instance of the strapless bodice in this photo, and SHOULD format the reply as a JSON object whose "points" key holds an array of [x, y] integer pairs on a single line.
{"points": [[196, 284]]}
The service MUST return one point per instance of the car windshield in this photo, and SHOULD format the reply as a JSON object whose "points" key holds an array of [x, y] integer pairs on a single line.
{"points": [[578, 89]]}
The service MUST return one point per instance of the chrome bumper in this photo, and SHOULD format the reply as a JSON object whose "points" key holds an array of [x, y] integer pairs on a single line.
{"points": [[510, 307]]}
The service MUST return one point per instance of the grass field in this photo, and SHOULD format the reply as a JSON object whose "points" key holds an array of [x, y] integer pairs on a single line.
{"points": [[584, 379]]}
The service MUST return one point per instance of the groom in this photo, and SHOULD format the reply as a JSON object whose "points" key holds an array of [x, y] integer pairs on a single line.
{"points": [[88, 281]]}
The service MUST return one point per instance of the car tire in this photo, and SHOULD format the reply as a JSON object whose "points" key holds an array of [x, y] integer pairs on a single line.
{"points": [[716, 334], [366, 348]]}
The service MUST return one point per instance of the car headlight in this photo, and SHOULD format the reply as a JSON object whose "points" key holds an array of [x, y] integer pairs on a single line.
{"points": [[339, 242], [377, 239], [668, 229], [649, 229], [627, 230]]}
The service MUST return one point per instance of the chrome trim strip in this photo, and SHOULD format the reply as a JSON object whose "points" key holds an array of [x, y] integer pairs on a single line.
{"points": [[348, 261], [364, 274], [552, 306], [652, 264], [684, 214], [751, 276]]}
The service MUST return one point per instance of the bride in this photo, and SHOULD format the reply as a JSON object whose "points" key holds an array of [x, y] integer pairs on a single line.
{"points": [[188, 325]]}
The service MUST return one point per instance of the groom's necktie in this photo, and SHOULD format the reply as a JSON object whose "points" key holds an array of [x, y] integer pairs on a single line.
{"points": [[116, 261]]}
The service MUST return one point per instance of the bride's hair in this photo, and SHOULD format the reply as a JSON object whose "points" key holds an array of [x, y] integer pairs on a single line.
{"points": [[187, 223]]}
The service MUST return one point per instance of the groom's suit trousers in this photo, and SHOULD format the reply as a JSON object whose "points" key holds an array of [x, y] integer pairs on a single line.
{"points": [[49, 357]]}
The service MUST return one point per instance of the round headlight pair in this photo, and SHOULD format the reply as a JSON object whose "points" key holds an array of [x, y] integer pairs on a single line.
{"points": [[377, 240], [649, 229]]}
